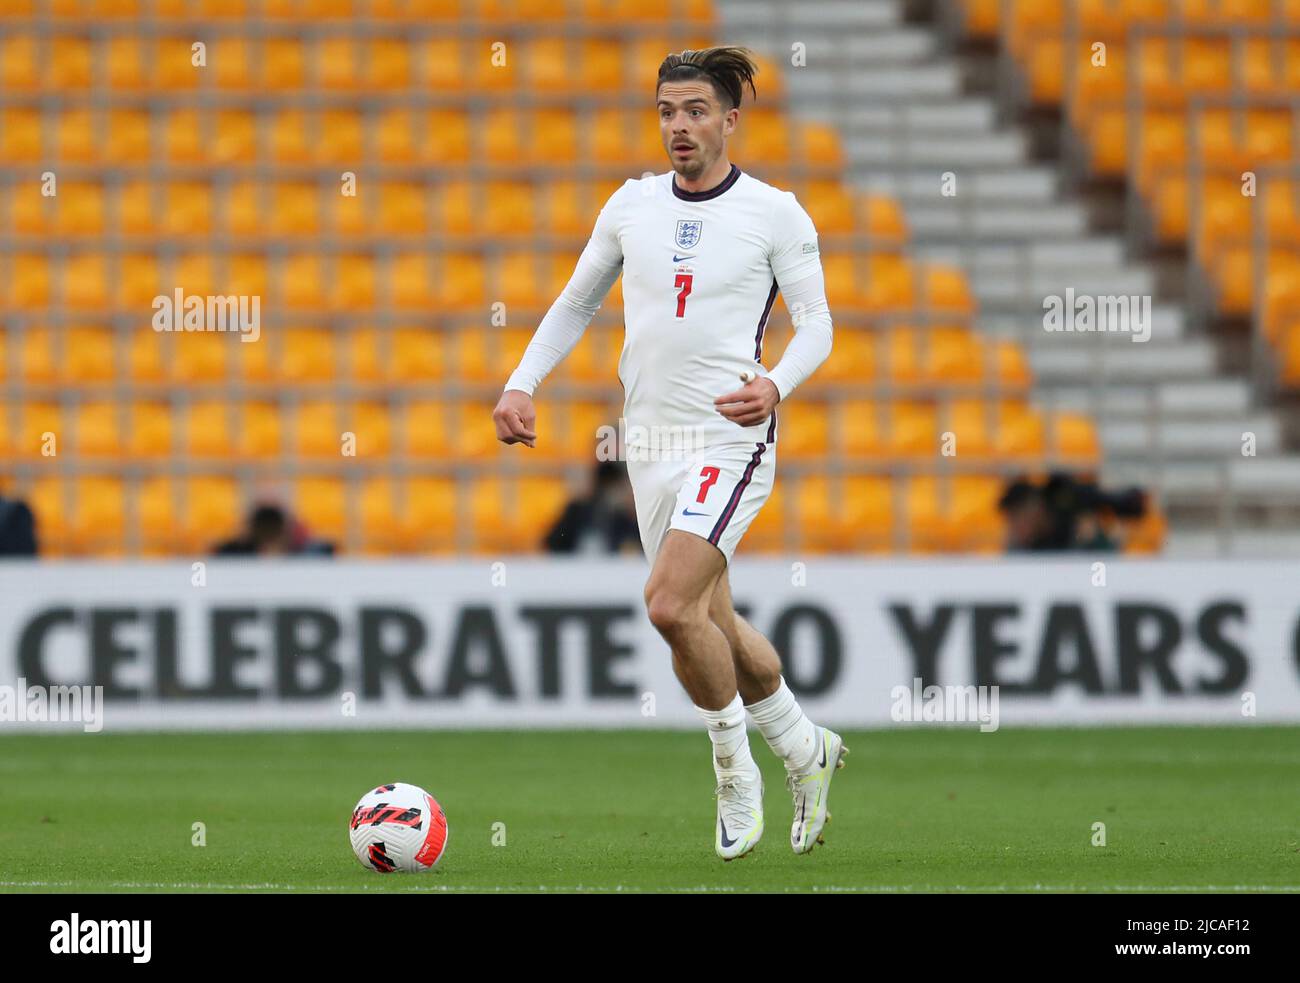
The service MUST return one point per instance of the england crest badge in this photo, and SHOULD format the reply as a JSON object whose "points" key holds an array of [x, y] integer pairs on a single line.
{"points": [[688, 233]]}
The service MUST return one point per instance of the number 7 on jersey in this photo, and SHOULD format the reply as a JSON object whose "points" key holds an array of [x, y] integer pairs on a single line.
{"points": [[683, 286]]}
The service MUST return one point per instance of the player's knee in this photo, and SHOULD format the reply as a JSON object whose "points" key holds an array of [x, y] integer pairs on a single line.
{"points": [[668, 611]]}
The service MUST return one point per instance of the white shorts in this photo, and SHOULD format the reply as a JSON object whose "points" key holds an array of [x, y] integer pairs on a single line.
{"points": [[714, 493]]}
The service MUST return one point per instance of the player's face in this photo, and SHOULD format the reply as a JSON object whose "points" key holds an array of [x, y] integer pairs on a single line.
{"points": [[693, 126]]}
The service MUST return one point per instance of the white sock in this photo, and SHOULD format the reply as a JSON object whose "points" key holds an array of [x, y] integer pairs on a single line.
{"points": [[788, 732], [727, 731]]}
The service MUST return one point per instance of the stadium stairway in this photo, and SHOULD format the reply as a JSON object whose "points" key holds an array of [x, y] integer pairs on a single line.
{"points": [[911, 110]]}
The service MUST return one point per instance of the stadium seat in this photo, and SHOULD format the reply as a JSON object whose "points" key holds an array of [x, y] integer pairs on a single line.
{"points": [[149, 433], [97, 524], [862, 424], [803, 430], [317, 428], [259, 434], [428, 522], [208, 429], [157, 508], [20, 135], [210, 512], [426, 429], [307, 355], [39, 360], [514, 515], [199, 356], [843, 515], [97, 430], [321, 502], [371, 426]]}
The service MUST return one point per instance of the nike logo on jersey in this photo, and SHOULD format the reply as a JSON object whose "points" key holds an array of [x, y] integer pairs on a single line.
{"points": [[689, 512], [678, 259]]}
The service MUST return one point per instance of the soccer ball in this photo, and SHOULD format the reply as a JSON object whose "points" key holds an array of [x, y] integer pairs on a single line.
{"points": [[398, 828]]}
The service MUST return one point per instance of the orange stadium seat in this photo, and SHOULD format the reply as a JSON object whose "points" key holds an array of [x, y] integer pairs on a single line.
{"points": [[200, 357], [173, 64], [803, 430], [321, 502], [951, 355], [76, 140], [20, 135], [338, 137], [283, 64], [208, 429], [98, 520], [852, 357], [514, 515], [307, 355], [210, 511], [259, 434], [79, 209], [40, 433], [593, 359], [1075, 435], [772, 528], [913, 428], [863, 426], [1010, 363], [317, 429], [371, 426], [97, 430], [18, 63], [428, 520], [149, 433], [137, 282], [378, 517], [157, 512], [1020, 431], [849, 514], [410, 281], [71, 62], [968, 420], [48, 498], [426, 429], [127, 65], [576, 429], [38, 359], [573, 65], [882, 218], [510, 209], [128, 138]]}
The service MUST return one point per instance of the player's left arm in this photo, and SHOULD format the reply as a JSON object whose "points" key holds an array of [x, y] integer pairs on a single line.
{"points": [[797, 267]]}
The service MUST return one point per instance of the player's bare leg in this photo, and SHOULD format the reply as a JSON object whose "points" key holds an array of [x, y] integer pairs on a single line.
{"points": [[757, 666], [677, 601], [678, 596], [811, 753]]}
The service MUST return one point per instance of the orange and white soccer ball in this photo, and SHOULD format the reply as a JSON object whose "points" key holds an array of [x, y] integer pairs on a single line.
{"points": [[398, 828]]}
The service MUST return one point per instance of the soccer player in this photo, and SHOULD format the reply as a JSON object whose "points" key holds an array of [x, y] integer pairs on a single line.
{"points": [[703, 249]]}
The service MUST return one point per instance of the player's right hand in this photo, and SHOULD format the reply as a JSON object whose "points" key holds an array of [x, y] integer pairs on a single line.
{"points": [[515, 418]]}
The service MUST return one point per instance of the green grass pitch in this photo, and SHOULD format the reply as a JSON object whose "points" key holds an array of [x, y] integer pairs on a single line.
{"points": [[1185, 808]]}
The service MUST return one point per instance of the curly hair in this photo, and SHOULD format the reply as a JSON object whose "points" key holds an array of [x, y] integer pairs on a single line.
{"points": [[728, 67]]}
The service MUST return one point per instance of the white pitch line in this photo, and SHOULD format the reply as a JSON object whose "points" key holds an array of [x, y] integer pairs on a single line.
{"points": [[699, 889]]}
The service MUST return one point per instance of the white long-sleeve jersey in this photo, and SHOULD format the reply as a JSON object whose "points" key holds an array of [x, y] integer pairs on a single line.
{"points": [[701, 272]]}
